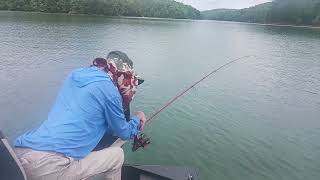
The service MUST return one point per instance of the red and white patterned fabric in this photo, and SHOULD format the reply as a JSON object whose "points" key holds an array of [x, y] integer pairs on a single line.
{"points": [[123, 76]]}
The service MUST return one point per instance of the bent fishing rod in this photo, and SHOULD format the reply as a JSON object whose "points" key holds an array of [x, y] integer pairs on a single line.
{"points": [[192, 86], [142, 140]]}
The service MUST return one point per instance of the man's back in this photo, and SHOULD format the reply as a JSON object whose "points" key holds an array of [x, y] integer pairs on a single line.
{"points": [[77, 122], [90, 104]]}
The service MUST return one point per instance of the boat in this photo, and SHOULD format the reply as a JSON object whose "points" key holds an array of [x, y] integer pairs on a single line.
{"points": [[156, 172], [11, 169]]}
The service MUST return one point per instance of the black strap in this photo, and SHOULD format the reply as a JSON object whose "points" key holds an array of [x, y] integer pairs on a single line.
{"points": [[1, 135], [127, 114]]}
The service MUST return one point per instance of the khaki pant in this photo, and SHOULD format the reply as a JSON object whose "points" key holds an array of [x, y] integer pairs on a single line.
{"points": [[41, 165]]}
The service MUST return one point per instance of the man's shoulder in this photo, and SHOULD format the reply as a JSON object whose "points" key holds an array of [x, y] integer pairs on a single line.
{"points": [[106, 88], [95, 82]]}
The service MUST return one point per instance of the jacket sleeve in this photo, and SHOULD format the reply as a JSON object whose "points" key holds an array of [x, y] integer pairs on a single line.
{"points": [[117, 122]]}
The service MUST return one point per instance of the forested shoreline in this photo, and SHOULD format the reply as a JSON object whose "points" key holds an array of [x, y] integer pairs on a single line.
{"points": [[289, 12], [137, 8], [294, 12]]}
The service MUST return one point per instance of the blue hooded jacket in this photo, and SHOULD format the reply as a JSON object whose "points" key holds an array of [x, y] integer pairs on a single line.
{"points": [[88, 106]]}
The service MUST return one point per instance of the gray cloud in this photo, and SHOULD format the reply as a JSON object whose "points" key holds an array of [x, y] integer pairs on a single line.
{"points": [[214, 4]]}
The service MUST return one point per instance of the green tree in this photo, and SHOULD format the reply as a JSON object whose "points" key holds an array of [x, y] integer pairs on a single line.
{"points": [[316, 21], [149, 8], [4, 5], [298, 12], [64, 6]]}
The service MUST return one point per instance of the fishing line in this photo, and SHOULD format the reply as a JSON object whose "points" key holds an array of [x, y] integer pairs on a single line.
{"points": [[193, 85], [142, 140]]}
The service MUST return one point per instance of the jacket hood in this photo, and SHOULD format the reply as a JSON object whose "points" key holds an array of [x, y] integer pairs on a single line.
{"points": [[85, 76]]}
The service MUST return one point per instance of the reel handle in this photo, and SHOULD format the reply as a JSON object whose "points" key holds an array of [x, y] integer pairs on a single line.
{"points": [[140, 141]]}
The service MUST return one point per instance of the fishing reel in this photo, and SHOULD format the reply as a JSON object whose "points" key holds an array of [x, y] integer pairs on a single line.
{"points": [[140, 141]]}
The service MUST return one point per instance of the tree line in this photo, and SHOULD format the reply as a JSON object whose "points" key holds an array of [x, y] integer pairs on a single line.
{"points": [[297, 12], [138, 8], [254, 14]]}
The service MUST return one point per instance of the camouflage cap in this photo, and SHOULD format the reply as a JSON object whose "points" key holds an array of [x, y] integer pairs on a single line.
{"points": [[122, 61]]}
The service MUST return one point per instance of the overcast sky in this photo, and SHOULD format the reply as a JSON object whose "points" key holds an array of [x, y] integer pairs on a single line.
{"points": [[214, 4]]}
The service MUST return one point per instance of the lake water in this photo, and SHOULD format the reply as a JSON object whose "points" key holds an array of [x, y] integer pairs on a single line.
{"points": [[258, 119]]}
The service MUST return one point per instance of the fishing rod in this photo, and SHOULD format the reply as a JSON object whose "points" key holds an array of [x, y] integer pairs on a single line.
{"points": [[192, 86], [142, 140]]}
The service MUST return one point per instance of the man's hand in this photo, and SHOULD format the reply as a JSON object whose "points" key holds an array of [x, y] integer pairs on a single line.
{"points": [[142, 118]]}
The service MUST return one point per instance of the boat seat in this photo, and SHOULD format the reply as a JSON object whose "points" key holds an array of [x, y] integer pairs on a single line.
{"points": [[10, 166]]}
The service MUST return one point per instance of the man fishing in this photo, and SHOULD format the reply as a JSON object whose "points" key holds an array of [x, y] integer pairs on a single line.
{"points": [[91, 104]]}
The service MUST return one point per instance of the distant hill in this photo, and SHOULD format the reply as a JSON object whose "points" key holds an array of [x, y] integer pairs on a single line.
{"points": [[138, 8], [297, 12], [253, 14]]}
